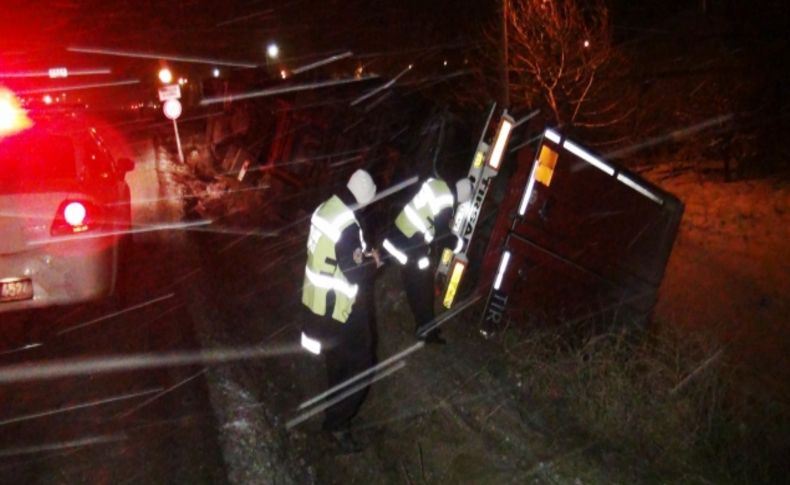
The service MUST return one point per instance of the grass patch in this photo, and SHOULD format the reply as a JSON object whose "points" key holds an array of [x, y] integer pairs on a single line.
{"points": [[658, 405]]}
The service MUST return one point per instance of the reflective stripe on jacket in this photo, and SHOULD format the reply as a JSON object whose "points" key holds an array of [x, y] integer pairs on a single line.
{"points": [[322, 272], [418, 215]]}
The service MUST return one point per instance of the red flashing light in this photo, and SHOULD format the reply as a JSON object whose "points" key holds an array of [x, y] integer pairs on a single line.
{"points": [[13, 118]]}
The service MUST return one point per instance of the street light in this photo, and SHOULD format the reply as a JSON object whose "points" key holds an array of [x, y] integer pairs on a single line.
{"points": [[165, 75], [215, 72], [272, 51]]}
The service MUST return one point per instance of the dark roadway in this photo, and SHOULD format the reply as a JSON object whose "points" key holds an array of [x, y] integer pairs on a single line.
{"points": [[145, 426]]}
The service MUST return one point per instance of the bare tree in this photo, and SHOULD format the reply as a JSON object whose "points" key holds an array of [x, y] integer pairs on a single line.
{"points": [[557, 51]]}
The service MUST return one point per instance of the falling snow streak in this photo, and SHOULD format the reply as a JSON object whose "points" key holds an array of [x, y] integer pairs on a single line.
{"points": [[322, 62], [76, 87], [384, 86], [671, 136], [93, 440], [76, 407], [124, 125], [381, 195], [307, 415], [389, 191], [39, 459], [431, 80], [283, 90], [23, 348], [526, 118], [71, 72], [440, 320], [54, 369], [345, 161], [263, 13], [392, 359], [371, 106], [136, 230], [115, 314], [204, 193], [525, 143], [417, 50], [162, 393], [443, 403], [159, 56], [237, 232]]}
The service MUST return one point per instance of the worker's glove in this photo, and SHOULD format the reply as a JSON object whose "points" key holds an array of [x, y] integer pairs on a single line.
{"points": [[374, 254]]}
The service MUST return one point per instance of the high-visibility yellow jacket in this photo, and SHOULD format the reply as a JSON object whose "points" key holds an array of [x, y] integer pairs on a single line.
{"points": [[418, 217], [324, 280]]}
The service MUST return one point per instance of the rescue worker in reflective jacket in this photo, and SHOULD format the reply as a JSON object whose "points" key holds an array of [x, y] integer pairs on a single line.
{"points": [[423, 225], [336, 279]]}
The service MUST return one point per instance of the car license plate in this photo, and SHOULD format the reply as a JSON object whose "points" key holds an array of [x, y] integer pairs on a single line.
{"points": [[13, 289]]}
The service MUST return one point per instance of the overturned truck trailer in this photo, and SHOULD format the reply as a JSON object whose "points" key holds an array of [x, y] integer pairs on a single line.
{"points": [[576, 238]]}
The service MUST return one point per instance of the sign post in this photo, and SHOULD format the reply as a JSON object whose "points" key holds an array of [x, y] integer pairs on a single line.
{"points": [[172, 110]]}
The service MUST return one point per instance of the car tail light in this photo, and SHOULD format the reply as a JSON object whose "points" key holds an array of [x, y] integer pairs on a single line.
{"points": [[74, 217]]}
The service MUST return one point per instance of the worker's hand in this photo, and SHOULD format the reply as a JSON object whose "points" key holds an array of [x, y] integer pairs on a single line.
{"points": [[377, 258]]}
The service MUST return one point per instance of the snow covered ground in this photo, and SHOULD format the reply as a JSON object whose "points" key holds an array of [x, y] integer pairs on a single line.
{"points": [[729, 272]]}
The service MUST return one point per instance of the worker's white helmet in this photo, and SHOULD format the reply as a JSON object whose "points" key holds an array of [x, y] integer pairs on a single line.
{"points": [[361, 185], [463, 190]]}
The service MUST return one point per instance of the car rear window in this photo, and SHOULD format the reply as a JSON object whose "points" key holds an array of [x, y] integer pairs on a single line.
{"points": [[31, 159]]}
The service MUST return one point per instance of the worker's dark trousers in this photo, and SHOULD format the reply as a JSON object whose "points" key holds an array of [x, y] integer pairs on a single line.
{"points": [[419, 292], [347, 350]]}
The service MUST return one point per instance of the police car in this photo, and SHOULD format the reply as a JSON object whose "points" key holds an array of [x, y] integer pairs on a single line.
{"points": [[64, 209]]}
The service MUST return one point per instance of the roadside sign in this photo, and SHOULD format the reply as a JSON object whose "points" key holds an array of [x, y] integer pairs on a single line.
{"points": [[171, 91], [172, 109]]}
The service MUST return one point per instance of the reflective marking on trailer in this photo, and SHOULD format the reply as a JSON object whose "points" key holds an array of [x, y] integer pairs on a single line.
{"points": [[634, 185], [547, 161], [502, 268], [587, 157], [452, 285], [552, 135], [499, 144], [522, 208]]}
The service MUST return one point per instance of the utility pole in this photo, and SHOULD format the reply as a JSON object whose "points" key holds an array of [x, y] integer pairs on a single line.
{"points": [[505, 81]]}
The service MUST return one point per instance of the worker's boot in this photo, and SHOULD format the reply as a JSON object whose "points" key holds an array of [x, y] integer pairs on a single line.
{"points": [[344, 441], [433, 337]]}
